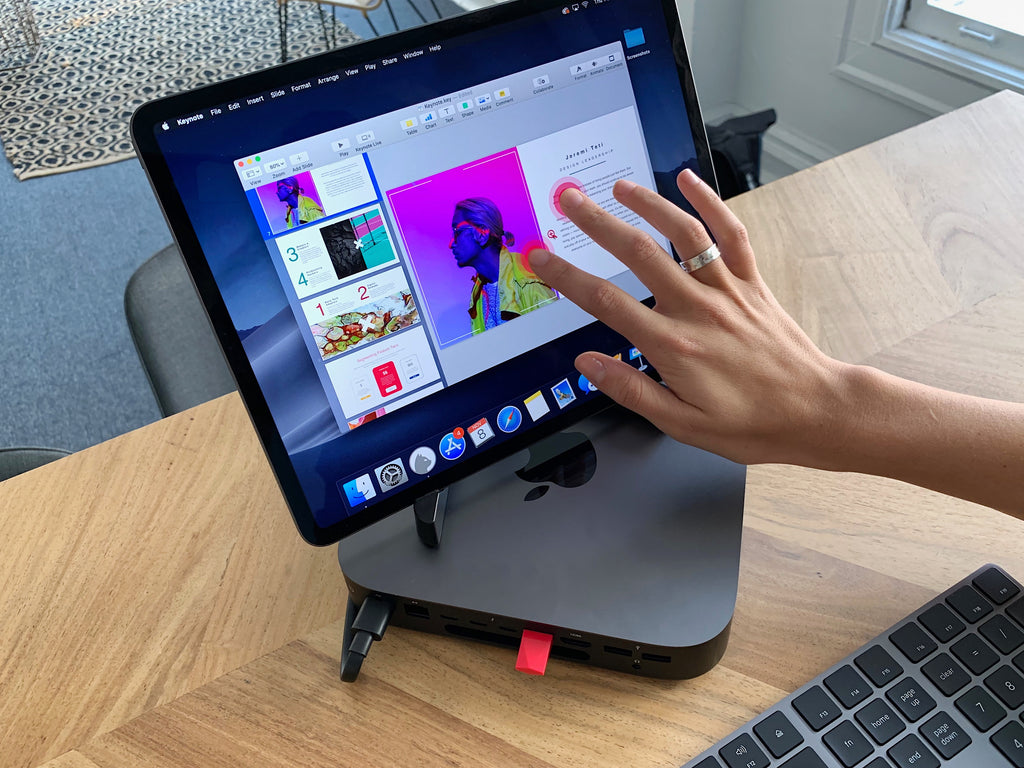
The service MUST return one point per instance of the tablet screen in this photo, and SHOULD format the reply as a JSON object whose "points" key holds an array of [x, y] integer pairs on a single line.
{"points": [[359, 224]]}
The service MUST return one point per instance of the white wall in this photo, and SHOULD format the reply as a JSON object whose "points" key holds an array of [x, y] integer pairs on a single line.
{"points": [[818, 63]]}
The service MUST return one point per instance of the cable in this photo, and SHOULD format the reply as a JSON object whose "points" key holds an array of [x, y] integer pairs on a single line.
{"points": [[360, 632]]}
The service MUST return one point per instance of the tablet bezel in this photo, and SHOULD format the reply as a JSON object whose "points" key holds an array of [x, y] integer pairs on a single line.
{"points": [[144, 130]]}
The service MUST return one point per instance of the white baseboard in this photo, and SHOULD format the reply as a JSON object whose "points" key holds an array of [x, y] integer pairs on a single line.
{"points": [[786, 149]]}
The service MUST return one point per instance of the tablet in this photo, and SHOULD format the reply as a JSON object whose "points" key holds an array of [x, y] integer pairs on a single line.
{"points": [[358, 227]]}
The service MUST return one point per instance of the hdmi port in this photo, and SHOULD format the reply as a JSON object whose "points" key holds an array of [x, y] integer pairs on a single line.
{"points": [[574, 641]]}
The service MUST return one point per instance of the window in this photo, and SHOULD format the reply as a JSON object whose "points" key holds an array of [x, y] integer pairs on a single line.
{"points": [[982, 40]]}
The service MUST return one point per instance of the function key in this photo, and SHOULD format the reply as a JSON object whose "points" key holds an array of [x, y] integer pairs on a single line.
{"points": [[878, 665], [980, 708], [945, 735], [942, 623], [910, 699], [1010, 741], [1016, 611], [996, 586], [882, 724], [913, 642], [911, 753], [708, 762], [848, 744], [948, 676], [975, 653], [816, 708], [1003, 634], [1007, 685], [847, 686], [778, 734], [968, 603], [744, 753]]}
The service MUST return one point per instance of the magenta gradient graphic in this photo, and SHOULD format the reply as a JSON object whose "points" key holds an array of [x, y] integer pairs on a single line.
{"points": [[423, 212], [276, 209]]}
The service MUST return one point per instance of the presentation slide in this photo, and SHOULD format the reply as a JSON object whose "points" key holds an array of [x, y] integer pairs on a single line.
{"points": [[591, 157], [476, 219], [320, 257], [391, 407], [361, 313], [391, 369]]}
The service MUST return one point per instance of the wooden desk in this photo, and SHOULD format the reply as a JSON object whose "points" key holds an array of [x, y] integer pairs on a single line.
{"points": [[158, 609]]}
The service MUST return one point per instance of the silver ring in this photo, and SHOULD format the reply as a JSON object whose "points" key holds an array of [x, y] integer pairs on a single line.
{"points": [[701, 259]]}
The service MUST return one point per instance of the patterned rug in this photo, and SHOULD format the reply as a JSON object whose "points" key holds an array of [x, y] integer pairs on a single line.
{"points": [[100, 59]]}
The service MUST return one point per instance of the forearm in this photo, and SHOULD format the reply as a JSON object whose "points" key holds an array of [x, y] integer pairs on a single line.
{"points": [[960, 445]]}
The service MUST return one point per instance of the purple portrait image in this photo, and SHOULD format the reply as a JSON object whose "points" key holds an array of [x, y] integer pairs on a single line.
{"points": [[424, 211], [291, 202]]}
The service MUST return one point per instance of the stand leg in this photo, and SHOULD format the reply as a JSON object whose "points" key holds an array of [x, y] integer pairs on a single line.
{"points": [[429, 511], [282, 23], [350, 663]]}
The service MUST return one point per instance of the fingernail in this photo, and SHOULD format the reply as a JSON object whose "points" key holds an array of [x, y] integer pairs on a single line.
{"points": [[592, 368], [571, 196], [689, 178], [538, 258]]}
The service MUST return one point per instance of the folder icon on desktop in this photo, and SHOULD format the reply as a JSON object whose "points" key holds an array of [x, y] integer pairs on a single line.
{"points": [[634, 37]]}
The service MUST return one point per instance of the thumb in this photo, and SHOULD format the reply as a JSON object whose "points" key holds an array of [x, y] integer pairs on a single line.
{"points": [[631, 389]]}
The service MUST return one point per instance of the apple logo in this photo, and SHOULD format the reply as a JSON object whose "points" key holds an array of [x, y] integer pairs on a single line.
{"points": [[567, 459]]}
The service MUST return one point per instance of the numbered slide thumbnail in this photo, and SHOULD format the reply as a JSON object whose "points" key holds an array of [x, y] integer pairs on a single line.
{"points": [[467, 232], [291, 202], [317, 258], [361, 313]]}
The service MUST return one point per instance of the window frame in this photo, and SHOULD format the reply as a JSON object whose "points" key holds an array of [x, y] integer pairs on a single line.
{"points": [[969, 58]]}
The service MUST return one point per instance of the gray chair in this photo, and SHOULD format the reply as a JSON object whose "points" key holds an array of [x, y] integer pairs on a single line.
{"points": [[14, 461], [172, 335]]}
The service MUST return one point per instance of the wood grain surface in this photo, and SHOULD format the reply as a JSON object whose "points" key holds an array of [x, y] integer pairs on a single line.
{"points": [[159, 609]]}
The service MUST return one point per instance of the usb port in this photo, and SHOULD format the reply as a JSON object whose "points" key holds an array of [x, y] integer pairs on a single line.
{"points": [[418, 611]]}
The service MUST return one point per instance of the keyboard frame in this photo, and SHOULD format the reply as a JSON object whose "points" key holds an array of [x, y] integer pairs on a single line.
{"points": [[981, 753]]}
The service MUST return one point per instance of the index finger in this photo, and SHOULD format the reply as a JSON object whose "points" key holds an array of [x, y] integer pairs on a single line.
{"points": [[599, 297]]}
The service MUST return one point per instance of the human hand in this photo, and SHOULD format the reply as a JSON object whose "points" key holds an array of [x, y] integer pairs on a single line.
{"points": [[741, 378]]}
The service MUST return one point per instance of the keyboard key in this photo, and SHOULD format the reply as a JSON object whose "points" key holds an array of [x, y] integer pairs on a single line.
{"points": [[996, 586], [1003, 634], [847, 686], [816, 708], [878, 665], [708, 762], [969, 604], [975, 653], [778, 734], [881, 723], [1010, 741], [1018, 661], [911, 753], [980, 708], [878, 762], [911, 700], [744, 753], [913, 642], [1007, 685], [942, 623], [948, 676], [945, 735], [805, 759], [1016, 611], [848, 744]]}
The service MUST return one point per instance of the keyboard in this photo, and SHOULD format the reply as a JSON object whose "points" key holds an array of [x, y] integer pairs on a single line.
{"points": [[943, 687]]}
